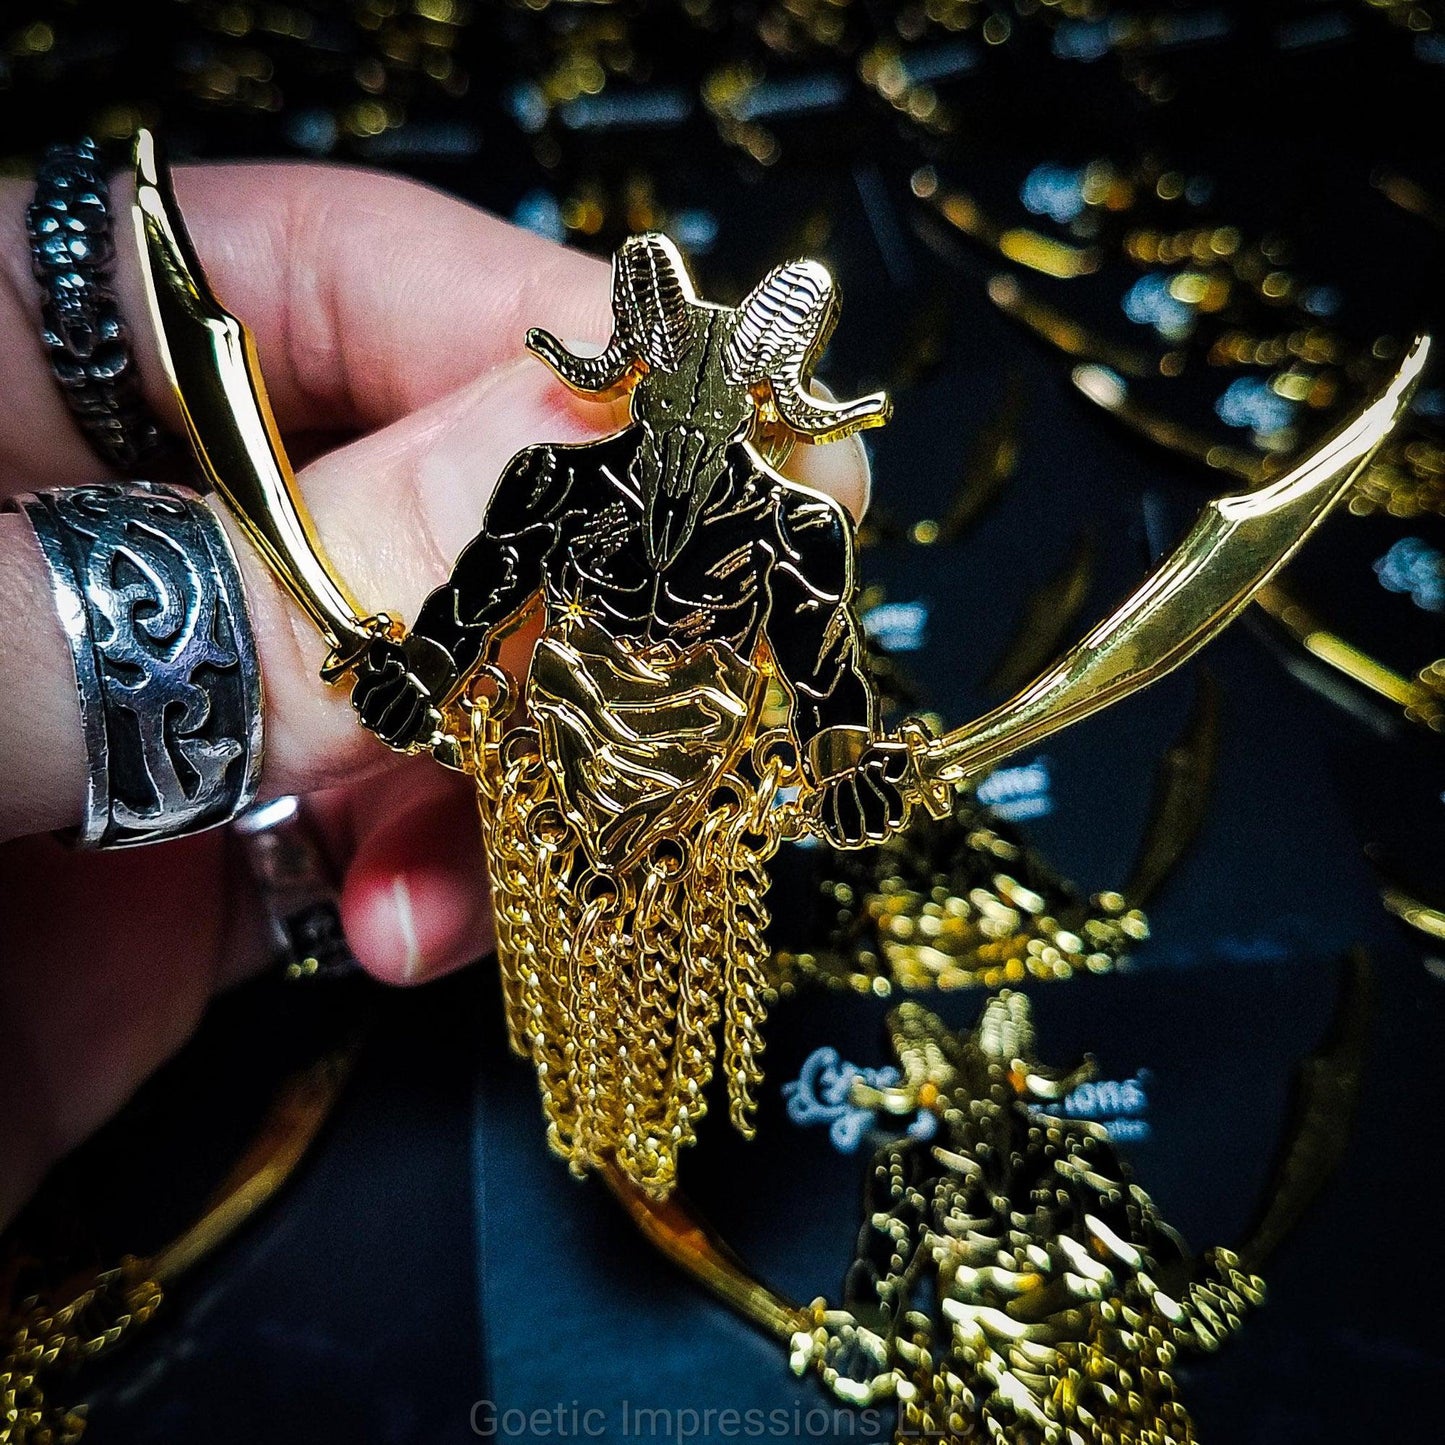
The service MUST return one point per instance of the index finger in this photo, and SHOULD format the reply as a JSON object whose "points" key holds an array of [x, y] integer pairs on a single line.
{"points": [[369, 296]]}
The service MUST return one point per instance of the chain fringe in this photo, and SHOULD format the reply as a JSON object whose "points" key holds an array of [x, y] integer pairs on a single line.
{"points": [[615, 983]]}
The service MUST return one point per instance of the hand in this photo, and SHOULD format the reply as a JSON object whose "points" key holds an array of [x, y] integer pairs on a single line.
{"points": [[396, 685], [868, 802], [383, 311]]}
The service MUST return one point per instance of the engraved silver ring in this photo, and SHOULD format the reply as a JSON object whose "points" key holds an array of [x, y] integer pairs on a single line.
{"points": [[149, 593]]}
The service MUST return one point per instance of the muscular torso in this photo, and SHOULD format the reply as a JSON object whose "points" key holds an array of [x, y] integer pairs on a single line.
{"points": [[766, 561], [718, 587]]}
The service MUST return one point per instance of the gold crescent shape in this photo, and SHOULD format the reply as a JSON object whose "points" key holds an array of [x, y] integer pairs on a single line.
{"points": [[210, 360], [1233, 550], [679, 1234]]}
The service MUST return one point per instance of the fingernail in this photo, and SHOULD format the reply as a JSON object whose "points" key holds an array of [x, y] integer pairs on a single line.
{"points": [[840, 468], [411, 967]]}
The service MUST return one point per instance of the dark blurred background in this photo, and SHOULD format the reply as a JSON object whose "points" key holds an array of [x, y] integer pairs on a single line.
{"points": [[1233, 213]]}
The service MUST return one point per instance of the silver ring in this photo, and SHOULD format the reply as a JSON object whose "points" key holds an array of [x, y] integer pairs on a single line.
{"points": [[298, 891], [149, 593], [72, 251]]}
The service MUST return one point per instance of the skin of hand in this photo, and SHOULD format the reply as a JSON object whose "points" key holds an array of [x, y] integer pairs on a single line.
{"points": [[389, 320]]}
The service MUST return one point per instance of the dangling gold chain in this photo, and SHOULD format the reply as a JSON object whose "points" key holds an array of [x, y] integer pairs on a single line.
{"points": [[44, 1341], [615, 982]]}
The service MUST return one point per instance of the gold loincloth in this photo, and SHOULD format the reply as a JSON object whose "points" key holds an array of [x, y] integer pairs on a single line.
{"points": [[627, 853], [637, 738]]}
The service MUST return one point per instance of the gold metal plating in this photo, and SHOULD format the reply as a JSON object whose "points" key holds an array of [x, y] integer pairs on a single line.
{"points": [[616, 980], [637, 739], [210, 360], [1422, 697], [953, 904], [678, 1235], [1236, 547], [1420, 916], [629, 822], [1012, 1281], [46, 1340]]}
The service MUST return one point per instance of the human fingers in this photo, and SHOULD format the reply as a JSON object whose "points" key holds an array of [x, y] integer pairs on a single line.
{"points": [[368, 295]]}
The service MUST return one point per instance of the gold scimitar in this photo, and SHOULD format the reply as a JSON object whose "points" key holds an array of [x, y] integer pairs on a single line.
{"points": [[1233, 550], [210, 359]]}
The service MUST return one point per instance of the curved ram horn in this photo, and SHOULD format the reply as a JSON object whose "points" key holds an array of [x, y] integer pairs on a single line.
{"points": [[782, 328], [659, 297], [652, 297], [599, 375]]}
